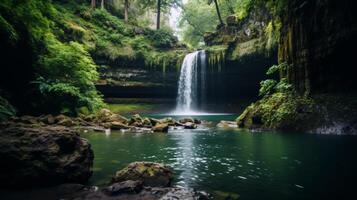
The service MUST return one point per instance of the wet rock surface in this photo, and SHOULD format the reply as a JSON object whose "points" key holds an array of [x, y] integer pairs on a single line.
{"points": [[149, 173], [105, 119], [227, 124], [42, 156]]}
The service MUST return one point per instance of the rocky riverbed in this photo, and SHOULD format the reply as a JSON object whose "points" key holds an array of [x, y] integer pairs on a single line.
{"points": [[105, 120]]}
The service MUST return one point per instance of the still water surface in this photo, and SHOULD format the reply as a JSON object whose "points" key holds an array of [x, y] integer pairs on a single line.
{"points": [[254, 165]]}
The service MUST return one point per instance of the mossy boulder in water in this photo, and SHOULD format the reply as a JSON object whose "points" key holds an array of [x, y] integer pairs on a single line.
{"points": [[151, 174]]}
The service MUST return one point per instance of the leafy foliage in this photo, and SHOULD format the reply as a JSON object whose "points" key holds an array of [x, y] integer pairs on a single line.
{"points": [[6, 109], [63, 69], [269, 86], [162, 38]]}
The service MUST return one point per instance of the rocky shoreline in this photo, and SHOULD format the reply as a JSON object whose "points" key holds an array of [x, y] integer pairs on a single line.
{"points": [[47, 151], [104, 120]]}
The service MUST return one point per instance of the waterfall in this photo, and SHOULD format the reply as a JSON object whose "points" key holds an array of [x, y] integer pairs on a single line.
{"points": [[190, 82]]}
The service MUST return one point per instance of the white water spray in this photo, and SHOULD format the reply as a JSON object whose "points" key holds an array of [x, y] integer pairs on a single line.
{"points": [[188, 86]]}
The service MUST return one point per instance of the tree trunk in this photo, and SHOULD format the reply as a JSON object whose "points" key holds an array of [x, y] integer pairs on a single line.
{"points": [[158, 14], [102, 5], [126, 8], [93, 4], [218, 13]]}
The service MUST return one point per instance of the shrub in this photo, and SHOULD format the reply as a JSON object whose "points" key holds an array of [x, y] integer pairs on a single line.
{"points": [[267, 87], [270, 86], [104, 18], [162, 38], [68, 74]]}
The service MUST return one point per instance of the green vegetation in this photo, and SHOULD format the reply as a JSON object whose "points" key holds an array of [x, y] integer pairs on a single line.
{"points": [[270, 86], [6, 109], [277, 111], [130, 108], [66, 39]]}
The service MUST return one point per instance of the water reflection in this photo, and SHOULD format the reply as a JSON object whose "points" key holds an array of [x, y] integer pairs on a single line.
{"points": [[256, 166]]}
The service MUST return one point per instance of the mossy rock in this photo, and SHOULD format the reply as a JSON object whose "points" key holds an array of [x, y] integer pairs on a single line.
{"points": [[279, 111], [151, 174]]}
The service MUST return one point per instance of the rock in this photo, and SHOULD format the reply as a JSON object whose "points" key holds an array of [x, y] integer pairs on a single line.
{"points": [[190, 125], [129, 187], [59, 118], [184, 194], [231, 20], [48, 119], [43, 156], [147, 122], [154, 121], [184, 120], [162, 128], [146, 193], [136, 118], [221, 195], [140, 130], [197, 121], [28, 120], [169, 120], [137, 124], [227, 124], [66, 122], [118, 118], [118, 126], [151, 174]]}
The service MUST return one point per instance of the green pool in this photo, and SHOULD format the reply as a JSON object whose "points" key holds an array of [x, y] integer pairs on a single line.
{"points": [[253, 165]]}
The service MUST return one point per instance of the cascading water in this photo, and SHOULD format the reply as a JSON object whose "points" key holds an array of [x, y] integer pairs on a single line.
{"points": [[190, 82]]}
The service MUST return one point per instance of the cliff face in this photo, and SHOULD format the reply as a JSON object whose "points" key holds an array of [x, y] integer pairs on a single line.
{"points": [[242, 51], [318, 39]]}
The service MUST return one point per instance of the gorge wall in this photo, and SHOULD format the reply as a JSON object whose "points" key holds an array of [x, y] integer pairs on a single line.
{"points": [[242, 51], [318, 39]]}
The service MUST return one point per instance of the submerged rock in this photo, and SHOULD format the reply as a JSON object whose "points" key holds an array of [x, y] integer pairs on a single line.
{"points": [[43, 156], [227, 124], [149, 173]]}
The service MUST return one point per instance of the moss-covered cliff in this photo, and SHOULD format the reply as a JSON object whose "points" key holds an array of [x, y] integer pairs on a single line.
{"points": [[316, 44], [244, 47], [51, 52]]}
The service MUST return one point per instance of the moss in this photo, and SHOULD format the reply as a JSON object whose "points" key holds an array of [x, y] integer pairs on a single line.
{"points": [[130, 107], [277, 111], [216, 56]]}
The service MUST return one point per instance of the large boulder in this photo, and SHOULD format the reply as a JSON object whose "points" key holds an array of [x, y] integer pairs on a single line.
{"points": [[149, 173], [43, 156], [161, 128]]}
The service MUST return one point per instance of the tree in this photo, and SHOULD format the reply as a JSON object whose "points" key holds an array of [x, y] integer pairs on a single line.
{"points": [[159, 5], [102, 4], [126, 11], [217, 10], [93, 2], [158, 14]]}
